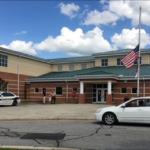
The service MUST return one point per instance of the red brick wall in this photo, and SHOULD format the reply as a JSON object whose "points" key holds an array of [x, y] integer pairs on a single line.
{"points": [[118, 96], [12, 80], [32, 96]]}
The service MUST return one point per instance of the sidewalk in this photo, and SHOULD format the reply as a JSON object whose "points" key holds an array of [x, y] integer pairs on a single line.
{"points": [[50, 112]]}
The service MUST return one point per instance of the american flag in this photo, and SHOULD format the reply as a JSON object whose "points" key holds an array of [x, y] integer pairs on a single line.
{"points": [[129, 59]]}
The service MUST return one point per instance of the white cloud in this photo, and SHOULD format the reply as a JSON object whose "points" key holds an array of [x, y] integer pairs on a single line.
{"points": [[21, 46], [76, 42], [129, 38], [69, 9], [21, 33], [118, 10], [130, 10], [95, 17]]}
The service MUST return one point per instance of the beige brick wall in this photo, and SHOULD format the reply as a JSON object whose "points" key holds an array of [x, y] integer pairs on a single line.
{"points": [[112, 61], [34, 68], [54, 68], [90, 65], [145, 59], [97, 62], [77, 66], [65, 67], [27, 66]]}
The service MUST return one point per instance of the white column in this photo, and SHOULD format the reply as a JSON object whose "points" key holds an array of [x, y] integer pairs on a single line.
{"points": [[109, 87], [81, 87]]}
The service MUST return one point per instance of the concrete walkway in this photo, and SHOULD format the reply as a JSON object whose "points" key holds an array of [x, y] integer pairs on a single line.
{"points": [[50, 112]]}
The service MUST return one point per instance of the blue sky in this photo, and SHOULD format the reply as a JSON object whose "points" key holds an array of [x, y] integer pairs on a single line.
{"points": [[58, 29]]}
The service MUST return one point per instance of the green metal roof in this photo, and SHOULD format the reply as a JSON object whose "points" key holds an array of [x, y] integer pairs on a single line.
{"points": [[119, 52], [72, 59], [103, 71]]}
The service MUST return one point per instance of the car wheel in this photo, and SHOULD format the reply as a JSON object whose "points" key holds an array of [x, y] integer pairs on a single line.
{"points": [[14, 103], [109, 119]]}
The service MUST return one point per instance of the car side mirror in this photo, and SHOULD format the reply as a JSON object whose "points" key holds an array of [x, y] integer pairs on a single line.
{"points": [[123, 106]]}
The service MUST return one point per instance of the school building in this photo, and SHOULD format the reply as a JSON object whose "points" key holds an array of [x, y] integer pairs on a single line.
{"points": [[99, 78]]}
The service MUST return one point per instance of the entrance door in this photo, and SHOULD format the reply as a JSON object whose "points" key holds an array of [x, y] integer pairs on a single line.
{"points": [[101, 96]]}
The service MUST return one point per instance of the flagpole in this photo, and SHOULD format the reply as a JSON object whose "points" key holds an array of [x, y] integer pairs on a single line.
{"points": [[138, 62]]}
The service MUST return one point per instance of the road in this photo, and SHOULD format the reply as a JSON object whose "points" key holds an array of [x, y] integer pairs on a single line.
{"points": [[77, 134]]}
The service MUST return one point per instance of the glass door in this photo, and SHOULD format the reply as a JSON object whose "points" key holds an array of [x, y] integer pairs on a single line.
{"points": [[101, 95]]}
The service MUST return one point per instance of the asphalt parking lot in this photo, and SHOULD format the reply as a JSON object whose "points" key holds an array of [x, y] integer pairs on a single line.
{"points": [[50, 112]]}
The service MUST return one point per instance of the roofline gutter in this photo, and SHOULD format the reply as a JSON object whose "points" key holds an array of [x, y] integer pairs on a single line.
{"points": [[50, 80], [146, 77], [4, 50], [77, 78], [97, 76], [116, 53], [73, 62]]}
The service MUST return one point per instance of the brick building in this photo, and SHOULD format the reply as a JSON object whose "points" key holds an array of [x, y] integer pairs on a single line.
{"points": [[99, 78]]}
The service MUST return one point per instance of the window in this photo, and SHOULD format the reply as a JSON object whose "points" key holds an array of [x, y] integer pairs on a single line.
{"points": [[136, 103], [85, 90], [104, 62], [94, 85], [75, 89], [44, 90], [59, 68], [83, 66], [9, 94], [123, 90], [4, 94], [58, 90], [119, 63], [134, 90], [94, 94], [71, 67], [3, 60], [148, 103], [99, 85], [135, 62], [104, 85], [36, 90]]}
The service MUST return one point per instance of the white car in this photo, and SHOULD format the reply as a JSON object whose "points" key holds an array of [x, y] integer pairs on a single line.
{"points": [[136, 110], [8, 98]]}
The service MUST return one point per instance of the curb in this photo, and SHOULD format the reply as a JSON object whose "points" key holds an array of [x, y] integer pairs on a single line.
{"points": [[61, 119], [37, 148]]}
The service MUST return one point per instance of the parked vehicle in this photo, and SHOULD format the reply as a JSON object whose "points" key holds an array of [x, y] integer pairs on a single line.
{"points": [[136, 110], [8, 98]]}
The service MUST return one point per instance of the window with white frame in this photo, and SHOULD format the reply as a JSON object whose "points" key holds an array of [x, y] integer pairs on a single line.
{"points": [[71, 67], [59, 68], [119, 62], [83, 66], [3, 60], [104, 62]]}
